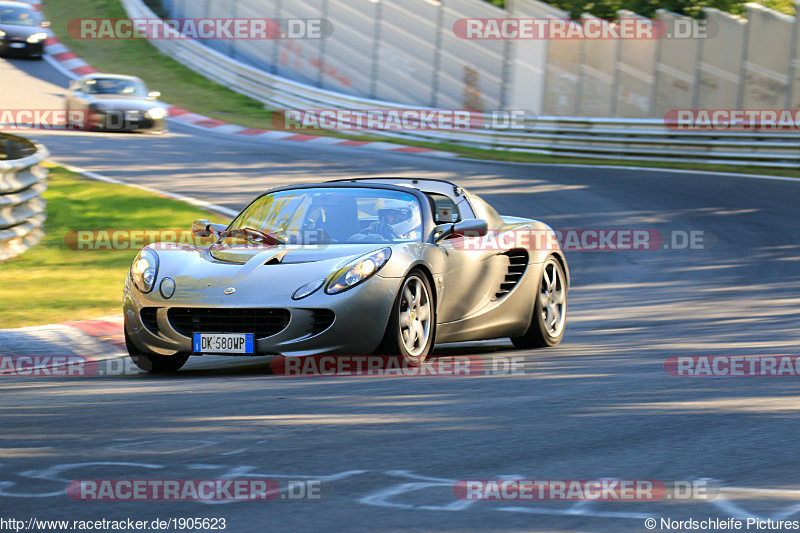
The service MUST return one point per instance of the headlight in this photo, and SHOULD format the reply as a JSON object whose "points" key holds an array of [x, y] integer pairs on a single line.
{"points": [[2, 34], [157, 113], [308, 289], [36, 37], [359, 271], [144, 270]]}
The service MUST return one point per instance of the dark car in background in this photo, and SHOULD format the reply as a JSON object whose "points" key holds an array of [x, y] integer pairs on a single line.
{"points": [[113, 102], [22, 32]]}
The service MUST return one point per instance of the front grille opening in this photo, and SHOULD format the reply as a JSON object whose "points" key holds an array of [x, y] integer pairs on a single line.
{"points": [[323, 318], [261, 322], [149, 319], [517, 263]]}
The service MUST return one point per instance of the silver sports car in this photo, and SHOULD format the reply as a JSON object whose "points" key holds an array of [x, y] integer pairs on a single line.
{"points": [[112, 102], [376, 265]]}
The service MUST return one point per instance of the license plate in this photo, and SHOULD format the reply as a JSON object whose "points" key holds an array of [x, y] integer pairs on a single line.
{"points": [[223, 343], [16, 45]]}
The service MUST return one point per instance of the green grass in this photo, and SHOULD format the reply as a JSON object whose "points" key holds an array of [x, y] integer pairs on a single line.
{"points": [[51, 283], [182, 87]]}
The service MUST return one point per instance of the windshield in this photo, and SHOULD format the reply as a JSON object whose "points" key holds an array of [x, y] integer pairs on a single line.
{"points": [[18, 16], [115, 86], [331, 215]]}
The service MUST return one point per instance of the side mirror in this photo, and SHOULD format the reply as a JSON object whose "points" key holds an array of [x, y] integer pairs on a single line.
{"points": [[203, 228], [472, 227], [200, 228], [153, 94]]}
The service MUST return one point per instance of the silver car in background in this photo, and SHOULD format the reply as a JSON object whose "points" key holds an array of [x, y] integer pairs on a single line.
{"points": [[380, 265], [113, 102]]}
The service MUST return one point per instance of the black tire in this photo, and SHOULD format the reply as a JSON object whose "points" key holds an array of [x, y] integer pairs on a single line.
{"points": [[154, 363], [396, 339], [543, 331]]}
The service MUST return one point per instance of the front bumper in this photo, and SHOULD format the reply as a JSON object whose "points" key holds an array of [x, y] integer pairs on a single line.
{"points": [[111, 120], [361, 316], [19, 47]]}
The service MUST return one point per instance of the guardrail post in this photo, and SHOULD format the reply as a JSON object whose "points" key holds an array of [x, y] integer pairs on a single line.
{"points": [[793, 56], [743, 67], [376, 50], [276, 48], [437, 56], [321, 73], [234, 14]]}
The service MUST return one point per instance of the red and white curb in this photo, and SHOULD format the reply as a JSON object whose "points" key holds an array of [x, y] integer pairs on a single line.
{"points": [[59, 345], [107, 329], [60, 57]]}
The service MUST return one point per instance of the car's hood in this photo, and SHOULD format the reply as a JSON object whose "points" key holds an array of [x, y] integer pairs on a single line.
{"points": [[269, 272], [292, 254], [15, 31], [125, 103]]}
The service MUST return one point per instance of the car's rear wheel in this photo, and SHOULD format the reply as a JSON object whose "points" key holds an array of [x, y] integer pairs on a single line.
{"points": [[152, 362], [549, 310], [412, 323]]}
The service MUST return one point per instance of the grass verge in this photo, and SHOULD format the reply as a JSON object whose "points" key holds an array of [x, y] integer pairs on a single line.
{"points": [[182, 87], [51, 283]]}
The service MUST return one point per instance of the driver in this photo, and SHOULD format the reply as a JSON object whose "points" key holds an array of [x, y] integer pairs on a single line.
{"points": [[397, 219]]}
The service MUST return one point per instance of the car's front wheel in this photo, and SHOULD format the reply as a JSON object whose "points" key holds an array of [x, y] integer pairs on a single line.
{"points": [[412, 323], [549, 309], [152, 362]]}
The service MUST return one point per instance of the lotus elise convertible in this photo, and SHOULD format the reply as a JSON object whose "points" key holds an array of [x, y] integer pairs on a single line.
{"points": [[362, 266]]}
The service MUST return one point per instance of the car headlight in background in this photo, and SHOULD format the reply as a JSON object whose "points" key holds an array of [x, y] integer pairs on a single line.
{"points": [[144, 270], [359, 271], [36, 37], [308, 289], [156, 113], [2, 34]]}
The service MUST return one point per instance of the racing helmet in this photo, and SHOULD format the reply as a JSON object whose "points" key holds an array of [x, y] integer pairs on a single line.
{"points": [[402, 215]]}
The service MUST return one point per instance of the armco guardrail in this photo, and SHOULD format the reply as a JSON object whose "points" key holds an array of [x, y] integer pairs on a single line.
{"points": [[624, 139], [22, 181]]}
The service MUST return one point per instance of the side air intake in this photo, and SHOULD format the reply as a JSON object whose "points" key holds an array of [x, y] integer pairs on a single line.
{"points": [[517, 263]]}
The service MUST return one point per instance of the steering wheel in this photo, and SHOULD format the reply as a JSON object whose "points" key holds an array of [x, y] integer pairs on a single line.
{"points": [[267, 238]]}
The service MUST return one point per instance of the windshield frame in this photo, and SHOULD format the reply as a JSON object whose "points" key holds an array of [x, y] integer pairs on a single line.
{"points": [[423, 200]]}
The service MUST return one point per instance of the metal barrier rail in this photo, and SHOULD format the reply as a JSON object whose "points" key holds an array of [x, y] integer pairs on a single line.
{"points": [[604, 138], [22, 181]]}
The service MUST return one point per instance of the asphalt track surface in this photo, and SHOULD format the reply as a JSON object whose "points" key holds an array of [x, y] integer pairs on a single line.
{"points": [[599, 406]]}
